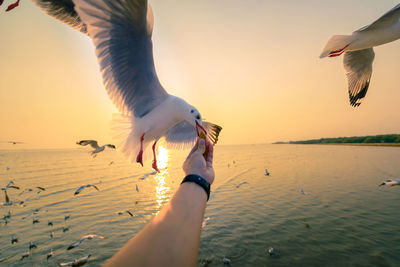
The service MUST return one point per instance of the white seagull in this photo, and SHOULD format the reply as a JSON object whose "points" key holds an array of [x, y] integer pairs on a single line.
{"points": [[95, 145], [391, 182], [358, 51], [121, 31], [83, 238]]}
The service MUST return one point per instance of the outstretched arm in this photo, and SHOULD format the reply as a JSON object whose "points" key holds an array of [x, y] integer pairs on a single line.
{"points": [[172, 238]]}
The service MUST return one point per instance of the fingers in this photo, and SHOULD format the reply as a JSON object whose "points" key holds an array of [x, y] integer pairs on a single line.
{"points": [[210, 154], [201, 146], [193, 149]]}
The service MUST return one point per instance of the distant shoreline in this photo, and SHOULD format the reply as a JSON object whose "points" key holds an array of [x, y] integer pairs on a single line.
{"points": [[355, 144]]}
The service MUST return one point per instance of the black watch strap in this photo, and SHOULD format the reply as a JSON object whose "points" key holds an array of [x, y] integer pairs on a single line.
{"points": [[200, 181]]}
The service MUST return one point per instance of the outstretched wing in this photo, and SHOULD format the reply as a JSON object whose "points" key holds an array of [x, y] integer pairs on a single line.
{"points": [[64, 11], [358, 66], [92, 143], [388, 19], [183, 135], [121, 31]]}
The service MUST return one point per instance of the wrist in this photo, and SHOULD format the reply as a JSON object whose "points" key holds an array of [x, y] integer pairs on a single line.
{"points": [[200, 181]]}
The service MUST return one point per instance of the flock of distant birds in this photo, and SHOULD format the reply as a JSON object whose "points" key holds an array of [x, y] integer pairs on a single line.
{"points": [[32, 245], [84, 260]]}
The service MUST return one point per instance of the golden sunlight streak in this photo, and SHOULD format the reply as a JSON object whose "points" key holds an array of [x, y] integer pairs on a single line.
{"points": [[161, 188]]}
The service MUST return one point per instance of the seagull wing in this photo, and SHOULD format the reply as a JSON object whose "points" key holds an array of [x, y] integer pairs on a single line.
{"points": [[92, 143], [79, 189], [130, 213], [121, 31], [183, 134], [95, 187], [358, 66], [388, 19], [7, 199], [74, 245], [110, 146], [62, 10]]}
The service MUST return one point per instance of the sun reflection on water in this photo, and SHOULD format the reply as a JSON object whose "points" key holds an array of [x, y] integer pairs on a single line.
{"points": [[161, 188]]}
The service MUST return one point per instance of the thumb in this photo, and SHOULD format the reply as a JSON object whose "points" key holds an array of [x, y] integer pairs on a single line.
{"points": [[202, 146]]}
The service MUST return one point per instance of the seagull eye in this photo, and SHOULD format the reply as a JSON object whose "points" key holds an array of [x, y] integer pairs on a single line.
{"points": [[192, 111]]}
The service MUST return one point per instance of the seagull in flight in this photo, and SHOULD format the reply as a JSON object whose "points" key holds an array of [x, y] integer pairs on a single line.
{"points": [[391, 182], [84, 186], [358, 51], [83, 238], [95, 145], [77, 262], [121, 31]]}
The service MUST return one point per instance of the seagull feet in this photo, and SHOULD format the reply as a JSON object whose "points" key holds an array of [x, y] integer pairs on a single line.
{"points": [[139, 158], [155, 166], [12, 6]]}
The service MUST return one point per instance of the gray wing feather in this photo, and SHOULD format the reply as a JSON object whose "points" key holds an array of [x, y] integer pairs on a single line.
{"points": [[358, 66], [183, 135], [121, 32], [389, 18], [64, 11]]}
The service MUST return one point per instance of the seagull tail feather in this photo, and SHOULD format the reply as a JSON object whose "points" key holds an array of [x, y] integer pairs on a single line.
{"points": [[336, 45], [126, 133]]}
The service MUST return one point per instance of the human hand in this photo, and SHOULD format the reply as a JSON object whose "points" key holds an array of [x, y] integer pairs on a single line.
{"points": [[200, 160]]}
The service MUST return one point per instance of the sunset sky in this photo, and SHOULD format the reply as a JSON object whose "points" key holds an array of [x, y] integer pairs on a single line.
{"points": [[251, 66]]}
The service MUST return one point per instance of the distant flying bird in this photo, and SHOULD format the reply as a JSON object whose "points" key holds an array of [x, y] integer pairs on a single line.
{"points": [[25, 255], [51, 234], [41, 188], [271, 251], [7, 216], [35, 220], [83, 238], [226, 261], [242, 183], [84, 186], [77, 262], [127, 211], [205, 222], [50, 254], [358, 51], [15, 142], [50, 223], [391, 182], [267, 173], [10, 184], [14, 240], [93, 143], [302, 191], [32, 245], [122, 34], [65, 229], [66, 217]]}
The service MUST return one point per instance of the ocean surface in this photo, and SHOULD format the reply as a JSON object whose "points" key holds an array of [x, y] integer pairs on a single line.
{"points": [[342, 219]]}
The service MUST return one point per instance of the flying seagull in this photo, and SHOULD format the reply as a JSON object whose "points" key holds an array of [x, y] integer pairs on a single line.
{"points": [[84, 186], [10, 184], [83, 238], [76, 262], [121, 31], [242, 183], [95, 145], [50, 254], [391, 182], [358, 51], [127, 211], [25, 255]]}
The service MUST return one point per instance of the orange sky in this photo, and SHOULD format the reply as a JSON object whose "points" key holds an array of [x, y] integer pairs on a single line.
{"points": [[250, 66]]}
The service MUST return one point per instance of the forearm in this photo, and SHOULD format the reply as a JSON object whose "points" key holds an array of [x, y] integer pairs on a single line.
{"points": [[172, 237]]}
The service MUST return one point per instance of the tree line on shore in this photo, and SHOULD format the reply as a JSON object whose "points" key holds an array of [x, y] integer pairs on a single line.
{"points": [[385, 138]]}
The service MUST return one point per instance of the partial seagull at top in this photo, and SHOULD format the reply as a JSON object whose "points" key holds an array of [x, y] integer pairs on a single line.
{"points": [[358, 51], [11, 6], [121, 31], [95, 145], [391, 182]]}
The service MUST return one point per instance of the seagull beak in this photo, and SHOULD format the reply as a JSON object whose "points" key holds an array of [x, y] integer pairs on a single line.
{"points": [[201, 127]]}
